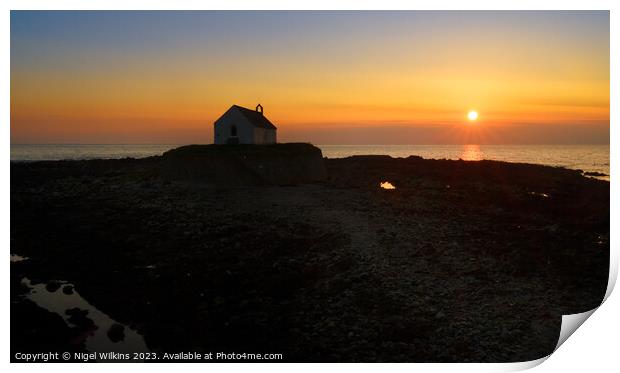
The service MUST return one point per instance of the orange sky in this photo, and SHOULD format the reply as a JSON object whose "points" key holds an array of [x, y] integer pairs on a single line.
{"points": [[347, 77]]}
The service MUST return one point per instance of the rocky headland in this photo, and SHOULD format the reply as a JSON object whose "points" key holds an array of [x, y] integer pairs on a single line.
{"points": [[309, 257]]}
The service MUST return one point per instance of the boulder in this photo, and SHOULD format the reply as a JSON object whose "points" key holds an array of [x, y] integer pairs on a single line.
{"points": [[116, 333], [67, 289], [52, 286], [79, 317]]}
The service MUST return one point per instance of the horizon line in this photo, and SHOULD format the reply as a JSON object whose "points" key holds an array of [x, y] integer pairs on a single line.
{"points": [[307, 142]]}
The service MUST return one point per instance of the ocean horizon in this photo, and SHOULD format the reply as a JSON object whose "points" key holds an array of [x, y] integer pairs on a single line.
{"points": [[589, 158]]}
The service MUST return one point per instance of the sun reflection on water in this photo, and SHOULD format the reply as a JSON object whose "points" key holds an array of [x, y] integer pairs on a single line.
{"points": [[471, 153]]}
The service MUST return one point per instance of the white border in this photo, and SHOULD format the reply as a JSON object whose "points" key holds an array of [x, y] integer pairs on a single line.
{"points": [[592, 347]]}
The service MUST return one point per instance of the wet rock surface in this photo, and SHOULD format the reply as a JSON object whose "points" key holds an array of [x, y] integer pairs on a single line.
{"points": [[34, 329], [462, 261]]}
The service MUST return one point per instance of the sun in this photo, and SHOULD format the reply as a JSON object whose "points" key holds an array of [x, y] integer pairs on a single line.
{"points": [[472, 115]]}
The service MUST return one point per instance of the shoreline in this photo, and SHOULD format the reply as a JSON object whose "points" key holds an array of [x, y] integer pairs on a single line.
{"points": [[569, 156], [586, 173], [462, 261]]}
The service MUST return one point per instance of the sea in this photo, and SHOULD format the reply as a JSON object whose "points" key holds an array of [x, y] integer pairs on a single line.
{"points": [[592, 158]]}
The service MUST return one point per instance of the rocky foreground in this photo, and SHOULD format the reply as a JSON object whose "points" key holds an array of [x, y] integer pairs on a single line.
{"points": [[463, 261]]}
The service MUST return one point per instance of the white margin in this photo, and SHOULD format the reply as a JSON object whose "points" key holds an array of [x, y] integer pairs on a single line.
{"points": [[600, 350]]}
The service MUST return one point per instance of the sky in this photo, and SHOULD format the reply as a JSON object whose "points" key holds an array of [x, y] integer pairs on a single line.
{"points": [[349, 77]]}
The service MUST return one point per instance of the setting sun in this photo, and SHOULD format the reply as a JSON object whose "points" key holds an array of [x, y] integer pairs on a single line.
{"points": [[472, 115]]}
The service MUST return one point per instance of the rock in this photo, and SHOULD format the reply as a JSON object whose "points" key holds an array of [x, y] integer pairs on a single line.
{"points": [[78, 317], [52, 286], [116, 333], [277, 164], [344, 277], [75, 311], [67, 289], [594, 173], [35, 329]]}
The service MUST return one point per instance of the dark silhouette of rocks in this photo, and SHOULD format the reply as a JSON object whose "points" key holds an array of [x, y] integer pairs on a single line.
{"points": [[79, 318], [40, 331], [276, 164], [52, 286], [594, 173], [67, 289], [463, 261], [116, 333]]}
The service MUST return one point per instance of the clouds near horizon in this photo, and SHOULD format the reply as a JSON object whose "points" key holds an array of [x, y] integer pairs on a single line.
{"points": [[325, 77]]}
